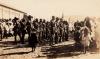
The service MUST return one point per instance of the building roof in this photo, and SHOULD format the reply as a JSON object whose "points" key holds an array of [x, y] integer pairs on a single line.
{"points": [[12, 8]]}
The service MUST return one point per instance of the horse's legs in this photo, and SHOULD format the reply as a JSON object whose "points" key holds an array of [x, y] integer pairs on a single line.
{"points": [[15, 37], [66, 36], [1, 36], [20, 36], [6, 35], [60, 39], [32, 49], [84, 51], [29, 36], [22, 39], [40, 38], [56, 38], [51, 40]]}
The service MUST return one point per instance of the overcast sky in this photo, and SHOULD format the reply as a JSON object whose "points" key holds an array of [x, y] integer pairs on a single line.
{"points": [[46, 8]]}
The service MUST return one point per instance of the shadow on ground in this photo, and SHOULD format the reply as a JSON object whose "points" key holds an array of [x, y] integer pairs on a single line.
{"points": [[61, 51], [10, 43], [7, 43], [50, 52], [17, 53]]}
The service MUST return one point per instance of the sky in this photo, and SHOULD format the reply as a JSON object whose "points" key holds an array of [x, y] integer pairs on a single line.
{"points": [[47, 8]]}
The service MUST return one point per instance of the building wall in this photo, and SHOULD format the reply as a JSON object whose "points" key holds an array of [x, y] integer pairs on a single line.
{"points": [[0, 12], [7, 13]]}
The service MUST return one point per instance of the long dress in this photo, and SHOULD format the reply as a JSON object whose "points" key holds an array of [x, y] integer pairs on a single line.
{"points": [[33, 40], [86, 38]]}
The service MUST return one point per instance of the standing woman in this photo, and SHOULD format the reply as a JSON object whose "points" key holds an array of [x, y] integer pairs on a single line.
{"points": [[33, 39]]}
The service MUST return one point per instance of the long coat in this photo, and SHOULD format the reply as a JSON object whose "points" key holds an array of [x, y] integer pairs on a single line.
{"points": [[33, 40], [86, 38]]}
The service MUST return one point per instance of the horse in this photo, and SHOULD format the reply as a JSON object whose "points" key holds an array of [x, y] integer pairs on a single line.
{"points": [[16, 30]]}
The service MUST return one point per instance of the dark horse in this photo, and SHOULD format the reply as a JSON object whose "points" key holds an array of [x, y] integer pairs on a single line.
{"points": [[16, 29], [19, 29]]}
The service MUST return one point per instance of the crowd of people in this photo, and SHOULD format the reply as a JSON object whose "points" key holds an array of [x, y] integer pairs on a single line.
{"points": [[6, 27], [43, 32], [50, 32]]}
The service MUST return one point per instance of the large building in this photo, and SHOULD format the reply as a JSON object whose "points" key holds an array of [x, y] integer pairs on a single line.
{"points": [[7, 12]]}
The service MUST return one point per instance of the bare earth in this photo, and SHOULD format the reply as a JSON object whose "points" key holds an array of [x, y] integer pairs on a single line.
{"points": [[59, 51]]}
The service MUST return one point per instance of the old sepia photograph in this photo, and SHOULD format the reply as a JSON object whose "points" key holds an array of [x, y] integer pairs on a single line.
{"points": [[49, 29]]}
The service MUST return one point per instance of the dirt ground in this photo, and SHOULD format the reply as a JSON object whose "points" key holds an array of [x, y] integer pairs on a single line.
{"points": [[62, 50]]}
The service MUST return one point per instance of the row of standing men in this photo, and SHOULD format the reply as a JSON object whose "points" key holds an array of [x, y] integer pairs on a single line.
{"points": [[53, 31]]}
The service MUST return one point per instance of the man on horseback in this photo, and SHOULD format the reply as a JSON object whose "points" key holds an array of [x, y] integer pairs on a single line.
{"points": [[23, 30], [28, 25], [16, 28]]}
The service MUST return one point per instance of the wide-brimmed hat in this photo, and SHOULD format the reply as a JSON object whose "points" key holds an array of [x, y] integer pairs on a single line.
{"points": [[15, 18], [30, 16]]}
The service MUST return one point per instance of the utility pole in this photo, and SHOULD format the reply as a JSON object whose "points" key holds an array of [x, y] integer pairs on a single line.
{"points": [[62, 15]]}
